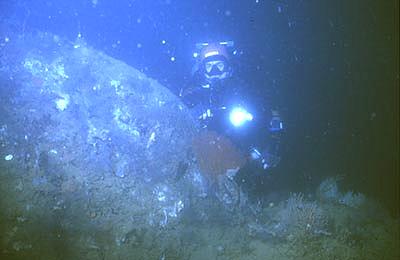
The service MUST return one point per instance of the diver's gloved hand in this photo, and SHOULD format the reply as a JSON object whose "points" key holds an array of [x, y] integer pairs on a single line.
{"points": [[276, 123], [264, 160], [270, 160]]}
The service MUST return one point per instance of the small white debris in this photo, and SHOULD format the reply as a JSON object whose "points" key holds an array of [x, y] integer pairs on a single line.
{"points": [[172, 58], [163, 42], [53, 151], [161, 196], [117, 86], [62, 103], [8, 157], [115, 83], [152, 138]]}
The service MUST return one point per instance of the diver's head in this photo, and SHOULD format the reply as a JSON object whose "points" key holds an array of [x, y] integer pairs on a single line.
{"points": [[215, 62]]}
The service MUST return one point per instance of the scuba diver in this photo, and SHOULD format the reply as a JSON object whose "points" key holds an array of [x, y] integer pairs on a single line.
{"points": [[218, 100]]}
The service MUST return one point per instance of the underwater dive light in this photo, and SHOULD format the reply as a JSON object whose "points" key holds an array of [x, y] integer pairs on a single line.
{"points": [[238, 116]]}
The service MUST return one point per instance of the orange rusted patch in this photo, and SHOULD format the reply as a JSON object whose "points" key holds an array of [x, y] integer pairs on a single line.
{"points": [[216, 154]]}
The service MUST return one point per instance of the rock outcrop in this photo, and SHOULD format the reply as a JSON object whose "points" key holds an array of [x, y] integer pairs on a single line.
{"points": [[91, 149]]}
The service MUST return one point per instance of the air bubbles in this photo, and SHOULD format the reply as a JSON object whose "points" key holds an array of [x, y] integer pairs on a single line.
{"points": [[115, 44]]}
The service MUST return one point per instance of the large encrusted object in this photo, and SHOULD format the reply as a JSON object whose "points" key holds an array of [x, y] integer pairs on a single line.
{"points": [[88, 137], [90, 107], [216, 154]]}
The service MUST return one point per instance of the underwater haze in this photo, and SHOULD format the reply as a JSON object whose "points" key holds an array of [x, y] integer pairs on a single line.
{"points": [[121, 131]]}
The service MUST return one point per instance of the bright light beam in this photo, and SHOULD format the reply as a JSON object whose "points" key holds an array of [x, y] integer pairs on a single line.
{"points": [[238, 116]]}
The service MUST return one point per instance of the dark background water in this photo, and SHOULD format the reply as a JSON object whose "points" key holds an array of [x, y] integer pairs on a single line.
{"points": [[331, 66]]}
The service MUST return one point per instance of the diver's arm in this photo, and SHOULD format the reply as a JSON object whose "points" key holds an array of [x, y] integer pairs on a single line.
{"points": [[267, 155]]}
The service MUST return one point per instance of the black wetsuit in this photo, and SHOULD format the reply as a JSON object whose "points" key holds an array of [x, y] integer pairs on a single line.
{"points": [[219, 98]]}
